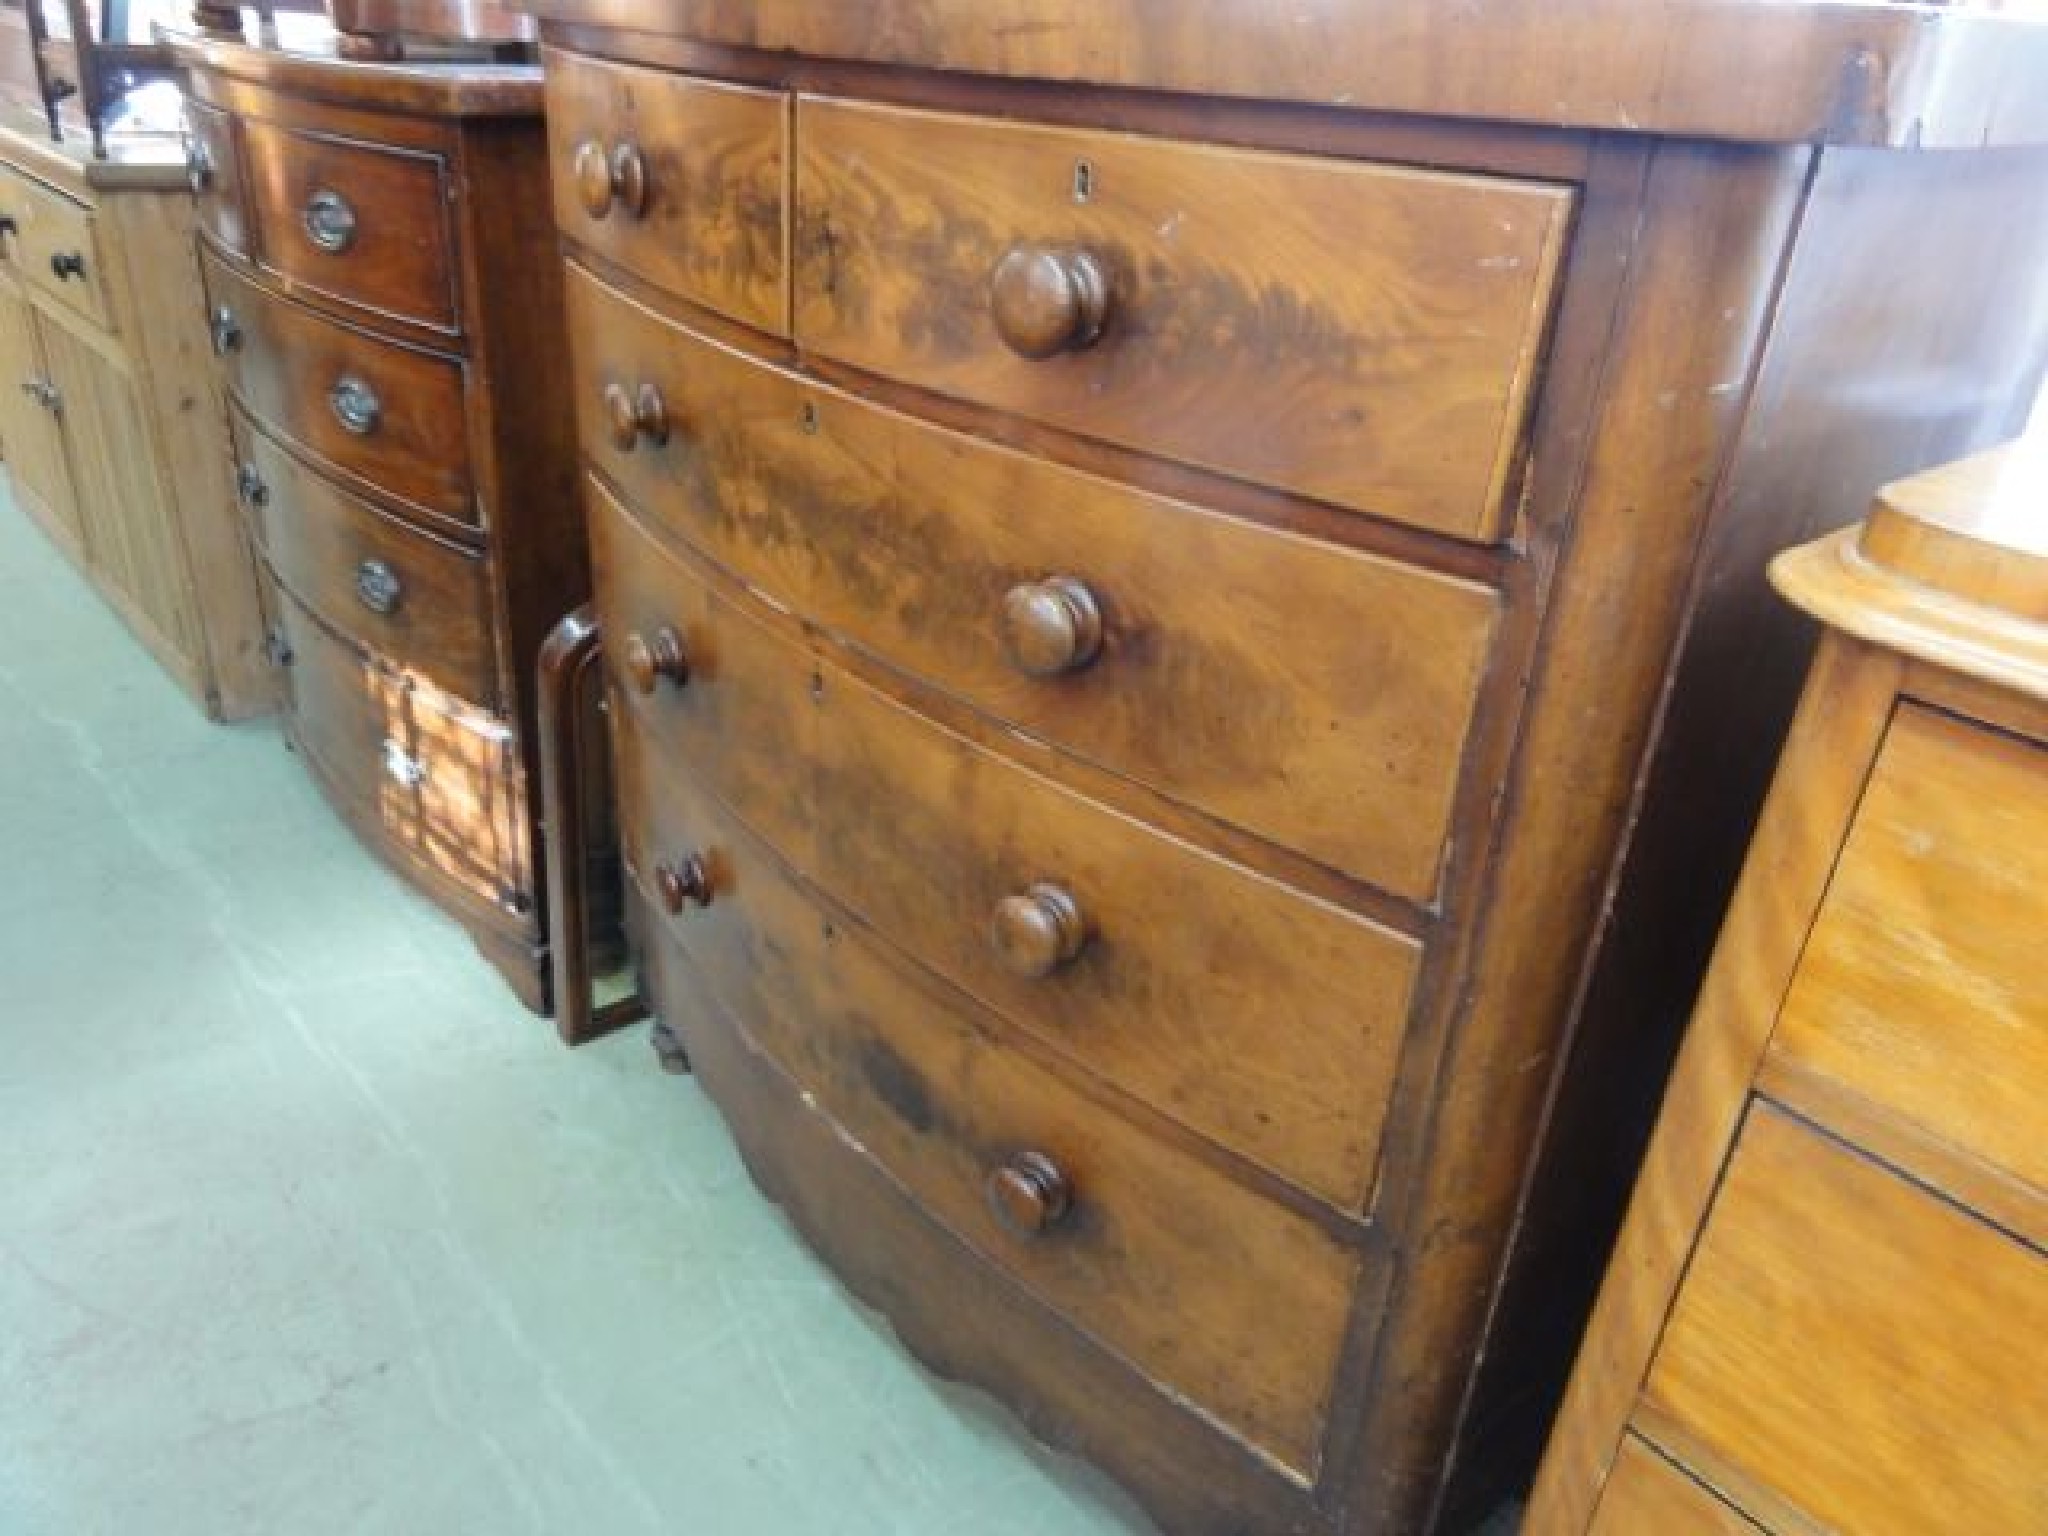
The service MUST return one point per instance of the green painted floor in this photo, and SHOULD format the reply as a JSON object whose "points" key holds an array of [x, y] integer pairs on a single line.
{"points": [[306, 1227]]}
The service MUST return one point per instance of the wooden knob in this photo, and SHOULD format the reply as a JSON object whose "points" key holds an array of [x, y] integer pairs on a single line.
{"points": [[647, 662], [684, 884], [635, 414], [1028, 1194], [1051, 626], [605, 178], [629, 178], [1037, 932], [1049, 299]]}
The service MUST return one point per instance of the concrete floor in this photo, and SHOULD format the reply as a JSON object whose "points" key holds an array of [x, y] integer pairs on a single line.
{"points": [[306, 1227]]}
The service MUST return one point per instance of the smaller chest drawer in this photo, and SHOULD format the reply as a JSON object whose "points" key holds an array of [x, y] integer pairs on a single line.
{"points": [[1363, 334], [1257, 1015], [1216, 1293], [368, 224], [433, 786], [419, 601], [55, 247], [213, 163], [1312, 695], [683, 182], [391, 414]]}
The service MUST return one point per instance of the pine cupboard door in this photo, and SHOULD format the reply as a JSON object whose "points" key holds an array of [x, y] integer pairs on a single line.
{"points": [[122, 507], [32, 430]]}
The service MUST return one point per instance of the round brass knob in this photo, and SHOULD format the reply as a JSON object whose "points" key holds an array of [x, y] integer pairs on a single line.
{"points": [[605, 178], [1049, 299], [647, 662], [635, 414], [1051, 626], [684, 884], [1038, 931], [1029, 1194]]}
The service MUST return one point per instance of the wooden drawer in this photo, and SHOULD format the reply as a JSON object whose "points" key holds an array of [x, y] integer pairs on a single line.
{"points": [[681, 181], [1645, 1495], [213, 158], [55, 247], [1222, 1296], [1250, 1012], [391, 414], [1921, 987], [432, 786], [369, 224], [1858, 1345], [1363, 334], [419, 601], [1315, 696]]}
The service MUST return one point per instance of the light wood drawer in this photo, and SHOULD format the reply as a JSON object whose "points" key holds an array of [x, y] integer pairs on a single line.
{"points": [[683, 182], [55, 247], [368, 224], [1359, 333], [391, 415], [1922, 986], [1315, 696], [433, 787], [1645, 1495], [1855, 1343], [1220, 1295], [213, 159], [1254, 1014], [418, 600]]}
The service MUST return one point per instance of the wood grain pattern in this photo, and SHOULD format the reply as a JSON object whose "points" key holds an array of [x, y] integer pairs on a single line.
{"points": [[317, 537], [220, 195], [1922, 986], [1785, 1351], [56, 249], [289, 361], [1648, 1496], [1259, 1017], [714, 229], [400, 259], [1316, 696], [1214, 1292], [30, 429], [1373, 348]]}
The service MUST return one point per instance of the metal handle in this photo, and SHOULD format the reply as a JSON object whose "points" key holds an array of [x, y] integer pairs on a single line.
{"points": [[329, 220], [355, 405], [227, 331], [401, 766], [251, 487], [44, 393], [198, 165], [65, 265], [378, 587], [9, 224]]}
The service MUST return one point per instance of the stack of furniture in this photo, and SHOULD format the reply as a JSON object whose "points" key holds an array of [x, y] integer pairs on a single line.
{"points": [[110, 413], [384, 296], [1168, 636], [1825, 1309]]}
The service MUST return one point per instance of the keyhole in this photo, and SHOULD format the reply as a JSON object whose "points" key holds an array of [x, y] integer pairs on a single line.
{"points": [[1084, 181], [807, 419]]}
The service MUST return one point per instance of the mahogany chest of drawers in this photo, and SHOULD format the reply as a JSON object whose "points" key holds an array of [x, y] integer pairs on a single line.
{"points": [[386, 304], [1171, 609], [1824, 1310]]}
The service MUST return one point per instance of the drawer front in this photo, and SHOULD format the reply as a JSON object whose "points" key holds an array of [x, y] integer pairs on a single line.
{"points": [[1362, 334], [1224, 1298], [1251, 1013], [390, 414], [1921, 986], [213, 157], [1315, 696], [683, 182], [1858, 1347], [1645, 1495], [419, 601], [56, 249], [437, 789], [365, 223]]}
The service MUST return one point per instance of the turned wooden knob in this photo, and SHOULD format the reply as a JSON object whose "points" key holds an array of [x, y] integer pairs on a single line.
{"points": [[684, 884], [1028, 1194], [1049, 299], [647, 661], [1038, 931], [608, 177], [1051, 626], [635, 414]]}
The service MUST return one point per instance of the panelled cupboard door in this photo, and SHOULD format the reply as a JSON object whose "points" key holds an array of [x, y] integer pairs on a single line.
{"points": [[30, 428], [122, 507]]}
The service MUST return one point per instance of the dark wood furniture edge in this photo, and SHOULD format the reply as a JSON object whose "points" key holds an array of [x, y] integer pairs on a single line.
{"points": [[447, 90]]}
